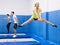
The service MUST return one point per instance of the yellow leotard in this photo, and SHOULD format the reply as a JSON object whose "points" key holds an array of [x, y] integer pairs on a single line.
{"points": [[36, 14]]}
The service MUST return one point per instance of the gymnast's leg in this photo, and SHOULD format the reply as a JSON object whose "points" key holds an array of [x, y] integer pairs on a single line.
{"points": [[43, 20], [8, 27], [28, 21]]}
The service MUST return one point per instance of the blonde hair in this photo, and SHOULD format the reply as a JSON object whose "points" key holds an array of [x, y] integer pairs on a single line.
{"points": [[36, 3]]}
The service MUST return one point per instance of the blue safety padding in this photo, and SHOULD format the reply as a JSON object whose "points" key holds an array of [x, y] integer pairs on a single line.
{"points": [[54, 33], [20, 43], [11, 37]]}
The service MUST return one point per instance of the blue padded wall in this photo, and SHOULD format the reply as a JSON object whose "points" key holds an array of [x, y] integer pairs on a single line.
{"points": [[3, 23], [22, 19], [54, 33]]}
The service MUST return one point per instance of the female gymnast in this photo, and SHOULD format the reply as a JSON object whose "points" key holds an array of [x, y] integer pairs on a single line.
{"points": [[37, 16]]}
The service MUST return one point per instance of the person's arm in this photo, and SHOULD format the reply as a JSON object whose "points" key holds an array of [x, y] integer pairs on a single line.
{"points": [[40, 13], [16, 20], [33, 12]]}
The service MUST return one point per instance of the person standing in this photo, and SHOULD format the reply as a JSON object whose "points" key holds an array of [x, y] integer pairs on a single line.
{"points": [[15, 22], [9, 22]]}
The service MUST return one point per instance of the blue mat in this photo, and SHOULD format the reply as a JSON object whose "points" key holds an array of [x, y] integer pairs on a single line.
{"points": [[11, 36], [17, 43], [20, 43]]}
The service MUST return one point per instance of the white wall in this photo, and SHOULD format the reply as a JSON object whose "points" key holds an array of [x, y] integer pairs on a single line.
{"points": [[43, 5], [53, 5], [19, 6], [25, 7], [47, 5]]}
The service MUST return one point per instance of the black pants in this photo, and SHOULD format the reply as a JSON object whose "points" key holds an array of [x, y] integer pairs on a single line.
{"points": [[8, 26], [35, 18], [15, 26]]}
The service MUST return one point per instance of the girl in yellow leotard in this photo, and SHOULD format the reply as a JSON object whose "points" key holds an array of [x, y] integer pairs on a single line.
{"points": [[37, 16]]}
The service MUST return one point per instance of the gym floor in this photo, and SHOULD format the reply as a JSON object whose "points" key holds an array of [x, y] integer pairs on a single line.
{"points": [[21, 39]]}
